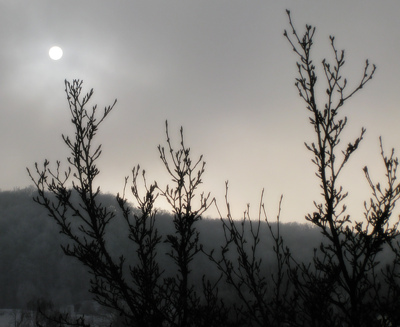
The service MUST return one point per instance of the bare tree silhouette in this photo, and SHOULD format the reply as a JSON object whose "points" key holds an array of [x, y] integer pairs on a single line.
{"points": [[346, 265]]}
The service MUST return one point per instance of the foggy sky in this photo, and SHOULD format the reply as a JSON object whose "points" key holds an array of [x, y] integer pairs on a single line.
{"points": [[221, 69]]}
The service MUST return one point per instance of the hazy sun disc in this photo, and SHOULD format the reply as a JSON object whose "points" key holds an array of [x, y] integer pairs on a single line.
{"points": [[55, 53]]}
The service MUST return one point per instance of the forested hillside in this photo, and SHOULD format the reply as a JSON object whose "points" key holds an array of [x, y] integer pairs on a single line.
{"points": [[32, 263]]}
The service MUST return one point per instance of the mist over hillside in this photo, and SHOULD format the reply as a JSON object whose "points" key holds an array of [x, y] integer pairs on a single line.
{"points": [[32, 263]]}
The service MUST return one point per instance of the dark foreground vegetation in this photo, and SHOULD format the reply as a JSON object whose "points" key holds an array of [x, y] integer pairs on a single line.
{"points": [[154, 276]]}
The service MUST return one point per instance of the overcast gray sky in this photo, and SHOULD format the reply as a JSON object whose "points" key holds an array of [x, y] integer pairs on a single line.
{"points": [[221, 69]]}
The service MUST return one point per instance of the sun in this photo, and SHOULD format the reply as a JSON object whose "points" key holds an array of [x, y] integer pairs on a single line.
{"points": [[55, 53]]}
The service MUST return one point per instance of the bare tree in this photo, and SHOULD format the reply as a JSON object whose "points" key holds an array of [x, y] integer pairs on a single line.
{"points": [[71, 199], [264, 298], [146, 274], [186, 177], [345, 266]]}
